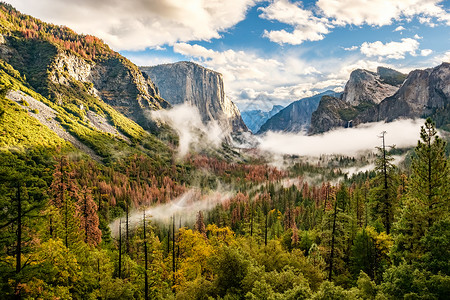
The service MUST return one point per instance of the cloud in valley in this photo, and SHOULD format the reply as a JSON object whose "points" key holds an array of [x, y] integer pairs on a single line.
{"points": [[193, 133], [345, 141], [185, 207]]}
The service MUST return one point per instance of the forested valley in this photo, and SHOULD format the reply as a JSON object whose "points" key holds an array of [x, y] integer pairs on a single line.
{"points": [[381, 234]]}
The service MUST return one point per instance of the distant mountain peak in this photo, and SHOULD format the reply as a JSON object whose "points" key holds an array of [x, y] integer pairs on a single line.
{"points": [[296, 116]]}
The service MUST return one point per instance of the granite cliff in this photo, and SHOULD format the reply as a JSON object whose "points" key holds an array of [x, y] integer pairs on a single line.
{"points": [[420, 94], [187, 82]]}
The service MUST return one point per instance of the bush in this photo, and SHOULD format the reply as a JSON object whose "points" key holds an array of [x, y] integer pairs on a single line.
{"points": [[24, 103]]}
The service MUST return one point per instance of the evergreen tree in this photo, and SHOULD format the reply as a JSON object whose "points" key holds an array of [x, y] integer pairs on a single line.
{"points": [[87, 212], [429, 184], [384, 192], [200, 224], [428, 194]]}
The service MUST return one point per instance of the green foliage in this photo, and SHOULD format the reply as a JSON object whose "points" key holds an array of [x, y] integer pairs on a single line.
{"points": [[18, 129], [348, 114]]}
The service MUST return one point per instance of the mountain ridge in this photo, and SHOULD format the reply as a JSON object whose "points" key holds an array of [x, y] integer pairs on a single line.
{"points": [[296, 116], [421, 94]]}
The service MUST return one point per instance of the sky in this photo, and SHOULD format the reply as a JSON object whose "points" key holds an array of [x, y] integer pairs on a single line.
{"points": [[269, 52]]}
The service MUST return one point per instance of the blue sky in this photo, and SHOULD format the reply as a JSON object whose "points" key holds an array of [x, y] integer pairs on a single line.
{"points": [[269, 52]]}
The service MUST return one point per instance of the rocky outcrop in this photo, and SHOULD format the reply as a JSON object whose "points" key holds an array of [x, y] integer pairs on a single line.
{"points": [[254, 119], [114, 80], [424, 93], [296, 116], [365, 87], [332, 113], [187, 82]]}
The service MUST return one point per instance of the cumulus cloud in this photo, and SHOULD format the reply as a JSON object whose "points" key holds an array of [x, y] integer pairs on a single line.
{"points": [[138, 24], [307, 27], [393, 50], [426, 52], [314, 24], [381, 12], [348, 141], [442, 57]]}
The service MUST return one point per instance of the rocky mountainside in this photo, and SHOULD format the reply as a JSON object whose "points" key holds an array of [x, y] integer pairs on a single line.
{"points": [[76, 87], [422, 93], [63, 66], [296, 116], [187, 82], [254, 119]]}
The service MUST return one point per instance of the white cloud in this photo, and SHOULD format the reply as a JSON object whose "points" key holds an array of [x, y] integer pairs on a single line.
{"points": [[381, 12], [392, 50], [443, 57], [352, 48], [307, 27], [313, 25], [426, 52], [138, 24], [350, 141]]}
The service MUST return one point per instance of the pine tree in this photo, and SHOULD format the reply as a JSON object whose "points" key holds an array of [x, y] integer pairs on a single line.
{"points": [[429, 184], [384, 193], [200, 224], [428, 194], [65, 192], [87, 212]]}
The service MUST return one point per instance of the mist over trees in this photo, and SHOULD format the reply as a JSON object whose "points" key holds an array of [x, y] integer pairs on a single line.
{"points": [[382, 234]]}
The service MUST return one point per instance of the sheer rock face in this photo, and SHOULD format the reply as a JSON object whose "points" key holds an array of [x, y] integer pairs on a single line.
{"points": [[296, 116], [368, 87], [186, 82], [423, 93]]}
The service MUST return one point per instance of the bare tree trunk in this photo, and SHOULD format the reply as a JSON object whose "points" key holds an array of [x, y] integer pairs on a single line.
{"points": [[120, 248], [173, 252], [265, 231], [333, 232], [19, 241], [145, 258], [126, 229]]}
